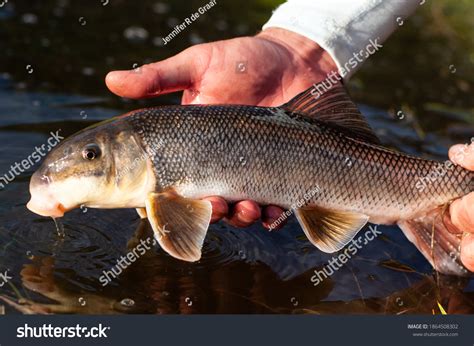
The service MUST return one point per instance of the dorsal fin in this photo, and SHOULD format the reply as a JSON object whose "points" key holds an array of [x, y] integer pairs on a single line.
{"points": [[333, 107]]}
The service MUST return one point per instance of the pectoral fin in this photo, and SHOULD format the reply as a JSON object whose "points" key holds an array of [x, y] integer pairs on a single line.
{"points": [[330, 230], [142, 213], [180, 224]]}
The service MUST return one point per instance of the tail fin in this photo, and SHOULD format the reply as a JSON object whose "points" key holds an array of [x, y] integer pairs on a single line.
{"points": [[438, 240]]}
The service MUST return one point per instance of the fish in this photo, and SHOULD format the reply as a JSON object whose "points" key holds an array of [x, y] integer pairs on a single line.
{"points": [[316, 156]]}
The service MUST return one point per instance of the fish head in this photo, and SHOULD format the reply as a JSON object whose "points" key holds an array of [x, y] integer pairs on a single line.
{"points": [[102, 167]]}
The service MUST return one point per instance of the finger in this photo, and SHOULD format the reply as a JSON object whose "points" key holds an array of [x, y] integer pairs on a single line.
{"points": [[273, 217], [244, 214], [462, 215], [463, 155], [467, 252], [176, 73], [219, 208]]}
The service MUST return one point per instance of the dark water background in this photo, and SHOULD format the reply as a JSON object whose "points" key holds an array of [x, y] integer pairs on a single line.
{"points": [[416, 93]]}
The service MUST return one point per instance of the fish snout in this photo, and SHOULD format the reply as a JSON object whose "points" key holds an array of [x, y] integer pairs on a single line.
{"points": [[39, 178], [42, 201]]}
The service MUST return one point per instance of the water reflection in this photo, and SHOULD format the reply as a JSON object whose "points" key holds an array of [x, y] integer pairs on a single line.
{"points": [[148, 286]]}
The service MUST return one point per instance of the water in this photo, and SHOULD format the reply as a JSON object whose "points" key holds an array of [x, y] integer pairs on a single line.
{"points": [[57, 270], [59, 227]]}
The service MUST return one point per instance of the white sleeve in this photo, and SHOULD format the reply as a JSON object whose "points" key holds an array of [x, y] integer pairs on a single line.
{"points": [[344, 27]]}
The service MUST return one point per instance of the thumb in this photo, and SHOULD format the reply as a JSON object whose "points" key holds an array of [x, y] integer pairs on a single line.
{"points": [[176, 73], [463, 155]]}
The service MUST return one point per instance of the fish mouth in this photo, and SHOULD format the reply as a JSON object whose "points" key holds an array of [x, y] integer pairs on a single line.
{"points": [[44, 205], [43, 202]]}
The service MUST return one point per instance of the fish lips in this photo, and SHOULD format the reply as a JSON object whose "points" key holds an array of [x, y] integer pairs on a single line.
{"points": [[44, 205], [43, 201]]}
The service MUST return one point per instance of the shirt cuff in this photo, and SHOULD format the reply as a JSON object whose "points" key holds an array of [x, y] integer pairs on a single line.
{"points": [[350, 31]]}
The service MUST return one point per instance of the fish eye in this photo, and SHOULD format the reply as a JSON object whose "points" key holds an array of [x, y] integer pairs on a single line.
{"points": [[91, 152]]}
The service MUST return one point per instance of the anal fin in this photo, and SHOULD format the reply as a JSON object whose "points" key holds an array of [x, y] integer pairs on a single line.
{"points": [[330, 230], [438, 240]]}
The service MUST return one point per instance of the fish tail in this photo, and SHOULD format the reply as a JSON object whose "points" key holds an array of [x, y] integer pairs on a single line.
{"points": [[437, 239]]}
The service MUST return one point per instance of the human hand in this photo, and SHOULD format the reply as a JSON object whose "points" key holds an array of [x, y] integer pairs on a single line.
{"points": [[462, 210], [265, 70]]}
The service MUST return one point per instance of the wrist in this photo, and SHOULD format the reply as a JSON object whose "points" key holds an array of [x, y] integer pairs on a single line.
{"points": [[304, 48]]}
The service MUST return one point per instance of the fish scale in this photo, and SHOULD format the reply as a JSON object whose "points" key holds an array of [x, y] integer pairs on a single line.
{"points": [[286, 156]]}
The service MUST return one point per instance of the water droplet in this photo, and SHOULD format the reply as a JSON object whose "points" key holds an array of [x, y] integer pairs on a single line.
{"points": [[82, 301], [127, 302], [165, 293], [59, 227]]}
